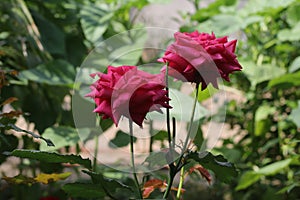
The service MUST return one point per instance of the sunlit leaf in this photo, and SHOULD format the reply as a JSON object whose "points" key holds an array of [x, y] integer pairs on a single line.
{"points": [[262, 120], [251, 177], [56, 72], [19, 179], [260, 73], [286, 81], [292, 14], [94, 18], [248, 179], [256, 6], [61, 136], [48, 178], [295, 115], [292, 34], [295, 65], [274, 168]]}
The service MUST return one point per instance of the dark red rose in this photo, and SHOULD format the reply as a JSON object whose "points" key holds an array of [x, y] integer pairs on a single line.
{"points": [[201, 58], [127, 91]]}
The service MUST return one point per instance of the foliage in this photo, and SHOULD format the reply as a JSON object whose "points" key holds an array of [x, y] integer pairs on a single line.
{"points": [[43, 44]]}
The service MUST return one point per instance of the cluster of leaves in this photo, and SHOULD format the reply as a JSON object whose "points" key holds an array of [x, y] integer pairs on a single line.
{"points": [[266, 147]]}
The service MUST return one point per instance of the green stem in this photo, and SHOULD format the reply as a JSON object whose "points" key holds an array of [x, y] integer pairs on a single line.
{"points": [[180, 183], [191, 120], [95, 153], [132, 159], [96, 146], [172, 172], [151, 136]]}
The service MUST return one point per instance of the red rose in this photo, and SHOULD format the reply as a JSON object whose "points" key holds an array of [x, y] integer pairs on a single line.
{"points": [[127, 91], [201, 58]]}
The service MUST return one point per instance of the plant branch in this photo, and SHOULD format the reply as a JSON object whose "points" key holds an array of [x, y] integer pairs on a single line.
{"points": [[132, 159]]}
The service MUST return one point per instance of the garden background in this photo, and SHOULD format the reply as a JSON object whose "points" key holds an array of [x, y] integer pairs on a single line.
{"points": [[44, 43]]}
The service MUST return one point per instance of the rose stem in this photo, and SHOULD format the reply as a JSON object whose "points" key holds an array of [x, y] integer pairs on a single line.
{"points": [[168, 109], [151, 136], [172, 171], [96, 146], [191, 120], [132, 159], [180, 183], [174, 131], [187, 140], [96, 153]]}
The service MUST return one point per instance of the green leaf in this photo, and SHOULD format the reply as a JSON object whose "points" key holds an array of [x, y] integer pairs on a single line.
{"points": [[131, 50], [14, 127], [159, 1], [120, 140], [295, 115], [274, 168], [52, 37], [295, 65], [109, 184], [292, 14], [224, 170], [94, 18], [207, 93], [84, 190], [7, 143], [50, 157], [257, 6], [262, 121], [197, 135], [182, 108], [251, 177], [286, 81], [56, 72], [258, 74], [61, 136], [288, 188], [292, 34], [211, 10], [233, 155], [157, 159], [160, 135], [247, 179]]}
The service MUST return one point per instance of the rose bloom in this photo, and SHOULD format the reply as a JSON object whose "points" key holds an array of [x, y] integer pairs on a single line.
{"points": [[201, 58], [127, 91]]}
